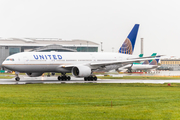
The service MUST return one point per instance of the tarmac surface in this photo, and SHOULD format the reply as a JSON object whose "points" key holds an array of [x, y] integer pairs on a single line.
{"points": [[53, 80]]}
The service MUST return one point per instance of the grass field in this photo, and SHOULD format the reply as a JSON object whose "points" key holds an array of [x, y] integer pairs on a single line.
{"points": [[90, 101], [6, 77]]}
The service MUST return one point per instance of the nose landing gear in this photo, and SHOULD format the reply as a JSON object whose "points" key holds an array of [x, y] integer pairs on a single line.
{"points": [[17, 78]]}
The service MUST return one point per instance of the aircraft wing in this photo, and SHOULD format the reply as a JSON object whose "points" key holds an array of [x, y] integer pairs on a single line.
{"points": [[147, 57], [120, 62], [110, 62]]}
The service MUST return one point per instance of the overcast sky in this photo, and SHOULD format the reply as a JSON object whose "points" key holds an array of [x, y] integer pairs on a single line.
{"points": [[107, 21]]}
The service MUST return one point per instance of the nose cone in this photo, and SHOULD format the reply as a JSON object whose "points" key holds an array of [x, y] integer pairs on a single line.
{"points": [[7, 65], [9, 62], [4, 63]]}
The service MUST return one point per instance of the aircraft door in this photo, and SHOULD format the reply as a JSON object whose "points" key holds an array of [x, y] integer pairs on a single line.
{"points": [[25, 60], [93, 57]]}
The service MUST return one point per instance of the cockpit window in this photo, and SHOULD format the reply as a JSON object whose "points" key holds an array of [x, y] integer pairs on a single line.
{"points": [[10, 59]]}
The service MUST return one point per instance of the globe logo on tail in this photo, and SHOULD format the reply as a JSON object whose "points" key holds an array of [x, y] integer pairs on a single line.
{"points": [[154, 62], [146, 62], [126, 47]]}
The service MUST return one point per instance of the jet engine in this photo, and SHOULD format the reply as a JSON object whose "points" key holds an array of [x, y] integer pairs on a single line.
{"points": [[81, 71], [34, 74]]}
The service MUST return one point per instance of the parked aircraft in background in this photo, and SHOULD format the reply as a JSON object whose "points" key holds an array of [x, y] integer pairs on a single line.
{"points": [[146, 65], [80, 64]]}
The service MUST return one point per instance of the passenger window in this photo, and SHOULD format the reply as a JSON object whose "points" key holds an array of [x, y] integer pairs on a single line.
{"points": [[10, 59]]}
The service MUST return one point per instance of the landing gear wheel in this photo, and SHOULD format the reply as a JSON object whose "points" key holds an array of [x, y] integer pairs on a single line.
{"points": [[59, 78], [64, 78], [90, 78], [95, 78], [17, 78], [68, 78], [52, 74]]}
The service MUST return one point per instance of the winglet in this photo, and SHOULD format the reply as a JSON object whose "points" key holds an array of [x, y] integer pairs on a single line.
{"points": [[140, 55], [153, 55], [128, 45]]}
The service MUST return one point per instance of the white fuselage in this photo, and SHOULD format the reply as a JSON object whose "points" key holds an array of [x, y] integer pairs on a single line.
{"points": [[59, 61], [143, 67], [138, 67]]}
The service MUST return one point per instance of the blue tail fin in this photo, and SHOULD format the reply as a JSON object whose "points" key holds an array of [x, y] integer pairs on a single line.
{"points": [[154, 62], [149, 61], [146, 62], [128, 45]]}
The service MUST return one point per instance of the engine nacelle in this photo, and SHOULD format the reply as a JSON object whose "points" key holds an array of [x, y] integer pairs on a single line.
{"points": [[81, 71], [34, 74]]}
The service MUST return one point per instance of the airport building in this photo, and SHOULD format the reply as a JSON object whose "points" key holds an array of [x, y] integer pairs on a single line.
{"points": [[170, 64], [9, 46]]}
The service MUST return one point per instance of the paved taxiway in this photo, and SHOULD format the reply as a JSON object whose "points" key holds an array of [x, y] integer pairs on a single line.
{"points": [[53, 80]]}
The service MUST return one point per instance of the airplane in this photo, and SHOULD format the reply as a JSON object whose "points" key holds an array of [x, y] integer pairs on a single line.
{"points": [[145, 62], [152, 65], [146, 65], [80, 64]]}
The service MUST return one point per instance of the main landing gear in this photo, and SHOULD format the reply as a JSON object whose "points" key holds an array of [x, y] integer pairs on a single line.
{"points": [[90, 78], [63, 77]]}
